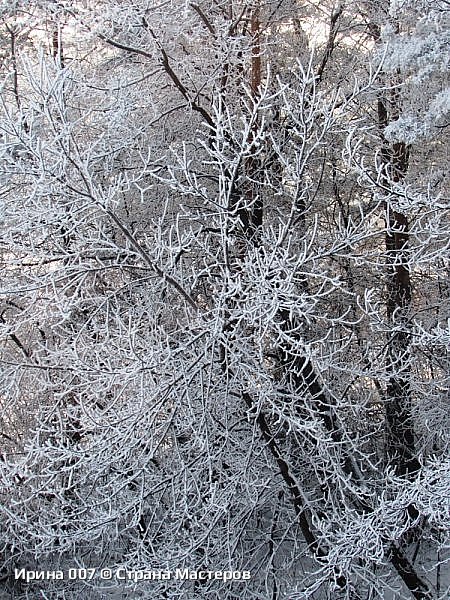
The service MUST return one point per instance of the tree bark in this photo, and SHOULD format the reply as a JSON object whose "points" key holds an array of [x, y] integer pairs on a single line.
{"points": [[400, 439]]}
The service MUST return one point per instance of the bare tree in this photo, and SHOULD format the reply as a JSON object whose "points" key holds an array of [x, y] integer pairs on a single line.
{"points": [[223, 262]]}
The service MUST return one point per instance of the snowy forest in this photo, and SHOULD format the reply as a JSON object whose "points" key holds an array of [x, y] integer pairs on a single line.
{"points": [[224, 299]]}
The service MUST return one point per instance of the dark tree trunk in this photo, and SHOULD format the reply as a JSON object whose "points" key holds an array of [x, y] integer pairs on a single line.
{"points": [[400, 439]]}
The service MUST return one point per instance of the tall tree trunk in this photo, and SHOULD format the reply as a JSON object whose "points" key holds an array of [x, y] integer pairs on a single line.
{"points": [[400, 443]]}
